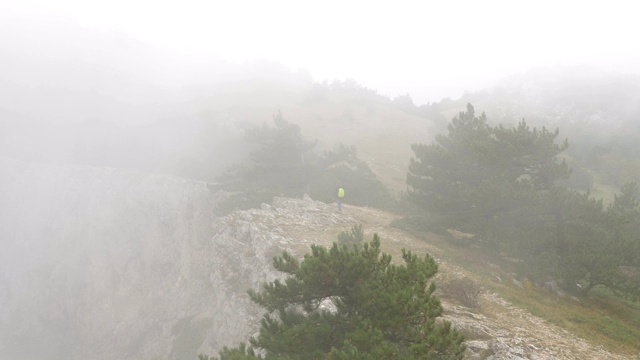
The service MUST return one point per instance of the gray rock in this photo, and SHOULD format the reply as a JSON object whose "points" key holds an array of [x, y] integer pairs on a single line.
{"points": [[554, 288], [99, 263], [518, 284]]}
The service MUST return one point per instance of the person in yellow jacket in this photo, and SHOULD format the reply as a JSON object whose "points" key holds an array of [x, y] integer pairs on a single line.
{"points": [[340, 197]]}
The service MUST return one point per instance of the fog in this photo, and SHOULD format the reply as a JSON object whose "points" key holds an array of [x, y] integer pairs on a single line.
{"points": [[121, 123], [429, 51], [105, 67]]}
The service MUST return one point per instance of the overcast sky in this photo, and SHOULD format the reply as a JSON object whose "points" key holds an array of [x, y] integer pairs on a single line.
{"points": [[428, 49]]}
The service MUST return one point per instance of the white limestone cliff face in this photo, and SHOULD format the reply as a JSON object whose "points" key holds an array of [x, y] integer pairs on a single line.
{"points": [[100, 263]]}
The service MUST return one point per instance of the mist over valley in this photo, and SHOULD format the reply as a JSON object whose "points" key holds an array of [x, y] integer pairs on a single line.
{"points": [[144, 190]]}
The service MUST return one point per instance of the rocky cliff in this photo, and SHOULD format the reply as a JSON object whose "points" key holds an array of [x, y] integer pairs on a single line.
{"points": [[98, 263]]}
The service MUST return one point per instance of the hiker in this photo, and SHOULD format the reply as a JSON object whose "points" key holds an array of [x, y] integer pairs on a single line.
{"points": [[340, 197]]}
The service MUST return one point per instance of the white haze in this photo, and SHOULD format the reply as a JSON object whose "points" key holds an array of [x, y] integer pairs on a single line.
{"points": [[100, 100], [429, 50]]}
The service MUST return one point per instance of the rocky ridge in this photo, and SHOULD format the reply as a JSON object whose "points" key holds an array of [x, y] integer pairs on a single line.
{"points": [[495, 330], [108, 264]]}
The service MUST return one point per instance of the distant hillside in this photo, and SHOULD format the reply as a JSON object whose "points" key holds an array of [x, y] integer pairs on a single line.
{"points": [[74, 95], [558, 96], [208, 139]]}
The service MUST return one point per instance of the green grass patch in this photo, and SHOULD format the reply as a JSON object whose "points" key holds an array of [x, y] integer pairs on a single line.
{"points": [[602, 318], [611, 324]]}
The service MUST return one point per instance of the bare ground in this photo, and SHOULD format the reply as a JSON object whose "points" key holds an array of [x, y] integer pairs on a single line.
{"points": [[496, 324]]}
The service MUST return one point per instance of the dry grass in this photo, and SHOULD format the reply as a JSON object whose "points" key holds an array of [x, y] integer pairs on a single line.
{"points": [[602, 318]]}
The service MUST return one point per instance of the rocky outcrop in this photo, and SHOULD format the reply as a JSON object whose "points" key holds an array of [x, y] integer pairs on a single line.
{"points": [[98, 263]]}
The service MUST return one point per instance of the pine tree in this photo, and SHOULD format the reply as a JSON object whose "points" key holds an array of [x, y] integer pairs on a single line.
{"points": [[502, 184], [585, 245], [351, 303], [477, 176], [342, 165], [283, 163], [354, 237], [443, 175]]}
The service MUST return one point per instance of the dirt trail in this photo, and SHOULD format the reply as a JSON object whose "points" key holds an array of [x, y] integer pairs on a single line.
{"points": [[500, 330]]}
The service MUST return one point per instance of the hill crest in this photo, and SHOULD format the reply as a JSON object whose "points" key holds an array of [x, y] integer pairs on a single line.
{"points": [[112, 264]]}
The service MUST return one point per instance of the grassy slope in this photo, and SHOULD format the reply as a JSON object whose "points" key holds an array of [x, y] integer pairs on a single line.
{"points": [[381, 133], [601, 319]]}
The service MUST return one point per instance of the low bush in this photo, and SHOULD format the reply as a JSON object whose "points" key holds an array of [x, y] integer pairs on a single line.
{"points": [[463, 290]]}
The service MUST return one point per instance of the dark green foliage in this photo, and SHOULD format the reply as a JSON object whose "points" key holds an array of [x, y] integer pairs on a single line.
{"points": [[355, 237], [623, 218], [342, 167], [379, 310], [578, 239], [281, 160], [529, 156], [503, 185], [585, 244], [477, 172], [283, 164]]}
